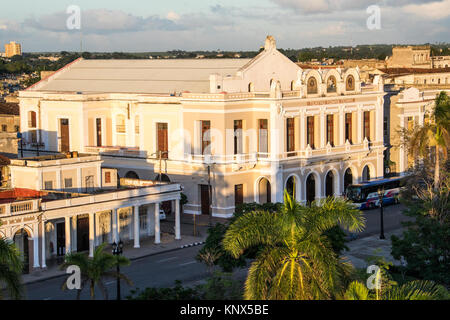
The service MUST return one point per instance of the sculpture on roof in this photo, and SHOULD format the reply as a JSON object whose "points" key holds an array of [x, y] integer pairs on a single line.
{"points": [[270, 43]]}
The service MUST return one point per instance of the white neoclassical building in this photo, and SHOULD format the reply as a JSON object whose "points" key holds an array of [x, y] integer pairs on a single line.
{"points": [[245, 129], [60, 204]]}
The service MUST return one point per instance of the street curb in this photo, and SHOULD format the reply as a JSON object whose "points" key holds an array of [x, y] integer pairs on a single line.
{"points": [[131, 259], [193, 244]]}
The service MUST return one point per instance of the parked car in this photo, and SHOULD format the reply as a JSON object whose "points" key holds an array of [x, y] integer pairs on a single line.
{"points": [[162, 215]]}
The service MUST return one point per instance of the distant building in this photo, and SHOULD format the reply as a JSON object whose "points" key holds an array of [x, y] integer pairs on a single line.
{"points": [[418, 77], [410, 57], [411, 107], [9, 126], [13, 49], [441, 61]]}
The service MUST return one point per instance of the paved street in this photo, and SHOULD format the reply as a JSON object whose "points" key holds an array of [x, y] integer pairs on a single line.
{"points": [[161, 270], [392, 220], [155, 271]]}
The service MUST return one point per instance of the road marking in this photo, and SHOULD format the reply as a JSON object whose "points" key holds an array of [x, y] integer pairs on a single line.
{"points": [[187, 263], [110, 282], [165, 260]]}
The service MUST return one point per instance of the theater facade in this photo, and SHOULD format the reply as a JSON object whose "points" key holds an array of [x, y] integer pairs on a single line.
{"points": [[246, 129]]}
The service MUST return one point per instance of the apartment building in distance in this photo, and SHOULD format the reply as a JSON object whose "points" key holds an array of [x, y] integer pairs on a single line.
{"points": [[246, 129], [411, 107], [13, 49]]}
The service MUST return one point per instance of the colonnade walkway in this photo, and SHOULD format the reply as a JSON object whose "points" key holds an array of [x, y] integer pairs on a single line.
{"points": [[147, 248]]}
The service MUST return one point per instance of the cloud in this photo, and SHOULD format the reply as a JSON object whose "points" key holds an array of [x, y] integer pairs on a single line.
{"points": [[329, 6], [173, 16], [103, 21], [432, 10]]}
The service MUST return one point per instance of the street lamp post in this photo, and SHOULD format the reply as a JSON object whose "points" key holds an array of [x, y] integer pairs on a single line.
{"points": [[117, 251], [380, 197]]}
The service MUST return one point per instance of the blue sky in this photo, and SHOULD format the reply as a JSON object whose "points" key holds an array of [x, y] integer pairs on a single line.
{"points": [[149, 25]]}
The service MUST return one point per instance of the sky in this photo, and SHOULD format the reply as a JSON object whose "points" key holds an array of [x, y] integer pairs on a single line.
{"points": [[150, 25]]}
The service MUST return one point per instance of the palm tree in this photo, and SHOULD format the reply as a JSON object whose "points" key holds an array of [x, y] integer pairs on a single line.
{"points": [[413, 290], [435, 133], [94, 270], [296, 260], [11, 267]]}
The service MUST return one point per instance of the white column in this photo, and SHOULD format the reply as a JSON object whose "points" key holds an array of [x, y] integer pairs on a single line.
{"points": [[91, 234], [402, 151], [97, 229], [359, 125], [79, 182], [323, 132], [43, 244], [59, 185], [136, 226], [342, 126], [74, 234], [67, 235], [302, 130], [157, 226], [115, 229], [149, 221], [36, 246], [177, 220]]}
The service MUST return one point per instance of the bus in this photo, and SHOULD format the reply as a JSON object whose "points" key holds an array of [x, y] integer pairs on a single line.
{"points": [[365, 195]]}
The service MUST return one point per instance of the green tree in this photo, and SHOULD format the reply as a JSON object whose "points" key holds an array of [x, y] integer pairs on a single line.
{"points": [[413, 290], [297, 261], [96, 269], [425, 244], [11, 267], [434, 133]]}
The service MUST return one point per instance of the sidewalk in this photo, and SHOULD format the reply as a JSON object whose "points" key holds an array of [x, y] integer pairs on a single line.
{"points": [[148, 248], [371, 246]]}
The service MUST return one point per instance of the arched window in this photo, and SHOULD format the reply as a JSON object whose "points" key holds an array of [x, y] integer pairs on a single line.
{"points": [[131, 175], [292, 85], [331, 84], [329, 184], [312, 85], [31, 119], [310, 189], [291, 187], [251, 87], [350, 83]]}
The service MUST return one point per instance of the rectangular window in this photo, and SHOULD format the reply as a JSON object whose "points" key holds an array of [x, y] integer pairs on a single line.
{"points": [[68, 183], [348, 127], [107, 177], [330, 129], [206, 137], [238, 194], [4, 127], [367, 125], [89, 183], [33, 136], [310, 131], [136, 125], [163, 143], [263, 136], [48, 185], [290, 135], [238, 137]]}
